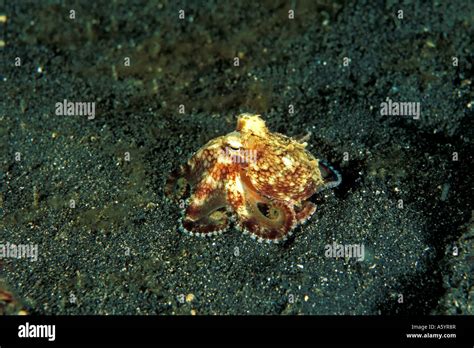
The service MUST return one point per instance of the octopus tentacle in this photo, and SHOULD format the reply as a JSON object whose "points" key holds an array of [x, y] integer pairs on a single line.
{"points": [[264, 218], [304, 212], [332, 178], [204, 215], [269, 220], [192, 172]]}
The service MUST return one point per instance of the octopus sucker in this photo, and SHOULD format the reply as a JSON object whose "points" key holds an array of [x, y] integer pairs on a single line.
{"points": [[255, 179]]}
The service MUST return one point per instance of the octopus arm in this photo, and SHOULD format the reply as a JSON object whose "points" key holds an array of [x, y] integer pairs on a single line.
{"points": [[205, 214], [192, 172], [264, 218], [305, 211]]}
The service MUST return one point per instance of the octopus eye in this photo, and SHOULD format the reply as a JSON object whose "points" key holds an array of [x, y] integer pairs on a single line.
{"points": [[234, 145]]}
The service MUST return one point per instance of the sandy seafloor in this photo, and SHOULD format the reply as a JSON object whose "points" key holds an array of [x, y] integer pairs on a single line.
{"points": [[119, 251]]}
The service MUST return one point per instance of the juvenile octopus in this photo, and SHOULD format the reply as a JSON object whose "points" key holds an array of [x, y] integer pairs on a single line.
{"points": [[259, 179]]}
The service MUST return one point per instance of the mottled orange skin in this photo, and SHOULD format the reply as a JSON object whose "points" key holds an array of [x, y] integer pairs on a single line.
{"points": [[266, 192]]}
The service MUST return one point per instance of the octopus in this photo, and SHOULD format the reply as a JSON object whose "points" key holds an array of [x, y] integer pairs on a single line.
{"points": [[9, 304], [259, 180]]}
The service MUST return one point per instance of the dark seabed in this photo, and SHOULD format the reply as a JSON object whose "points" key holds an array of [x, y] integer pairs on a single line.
{"points": [[407, 191]]}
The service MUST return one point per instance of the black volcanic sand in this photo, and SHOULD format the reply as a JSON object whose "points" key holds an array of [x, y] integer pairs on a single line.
{"points": [[119, 250]]}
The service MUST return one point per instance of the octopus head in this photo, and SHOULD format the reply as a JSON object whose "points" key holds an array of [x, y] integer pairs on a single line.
{"points": [[239, 147], [251, 124]]}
